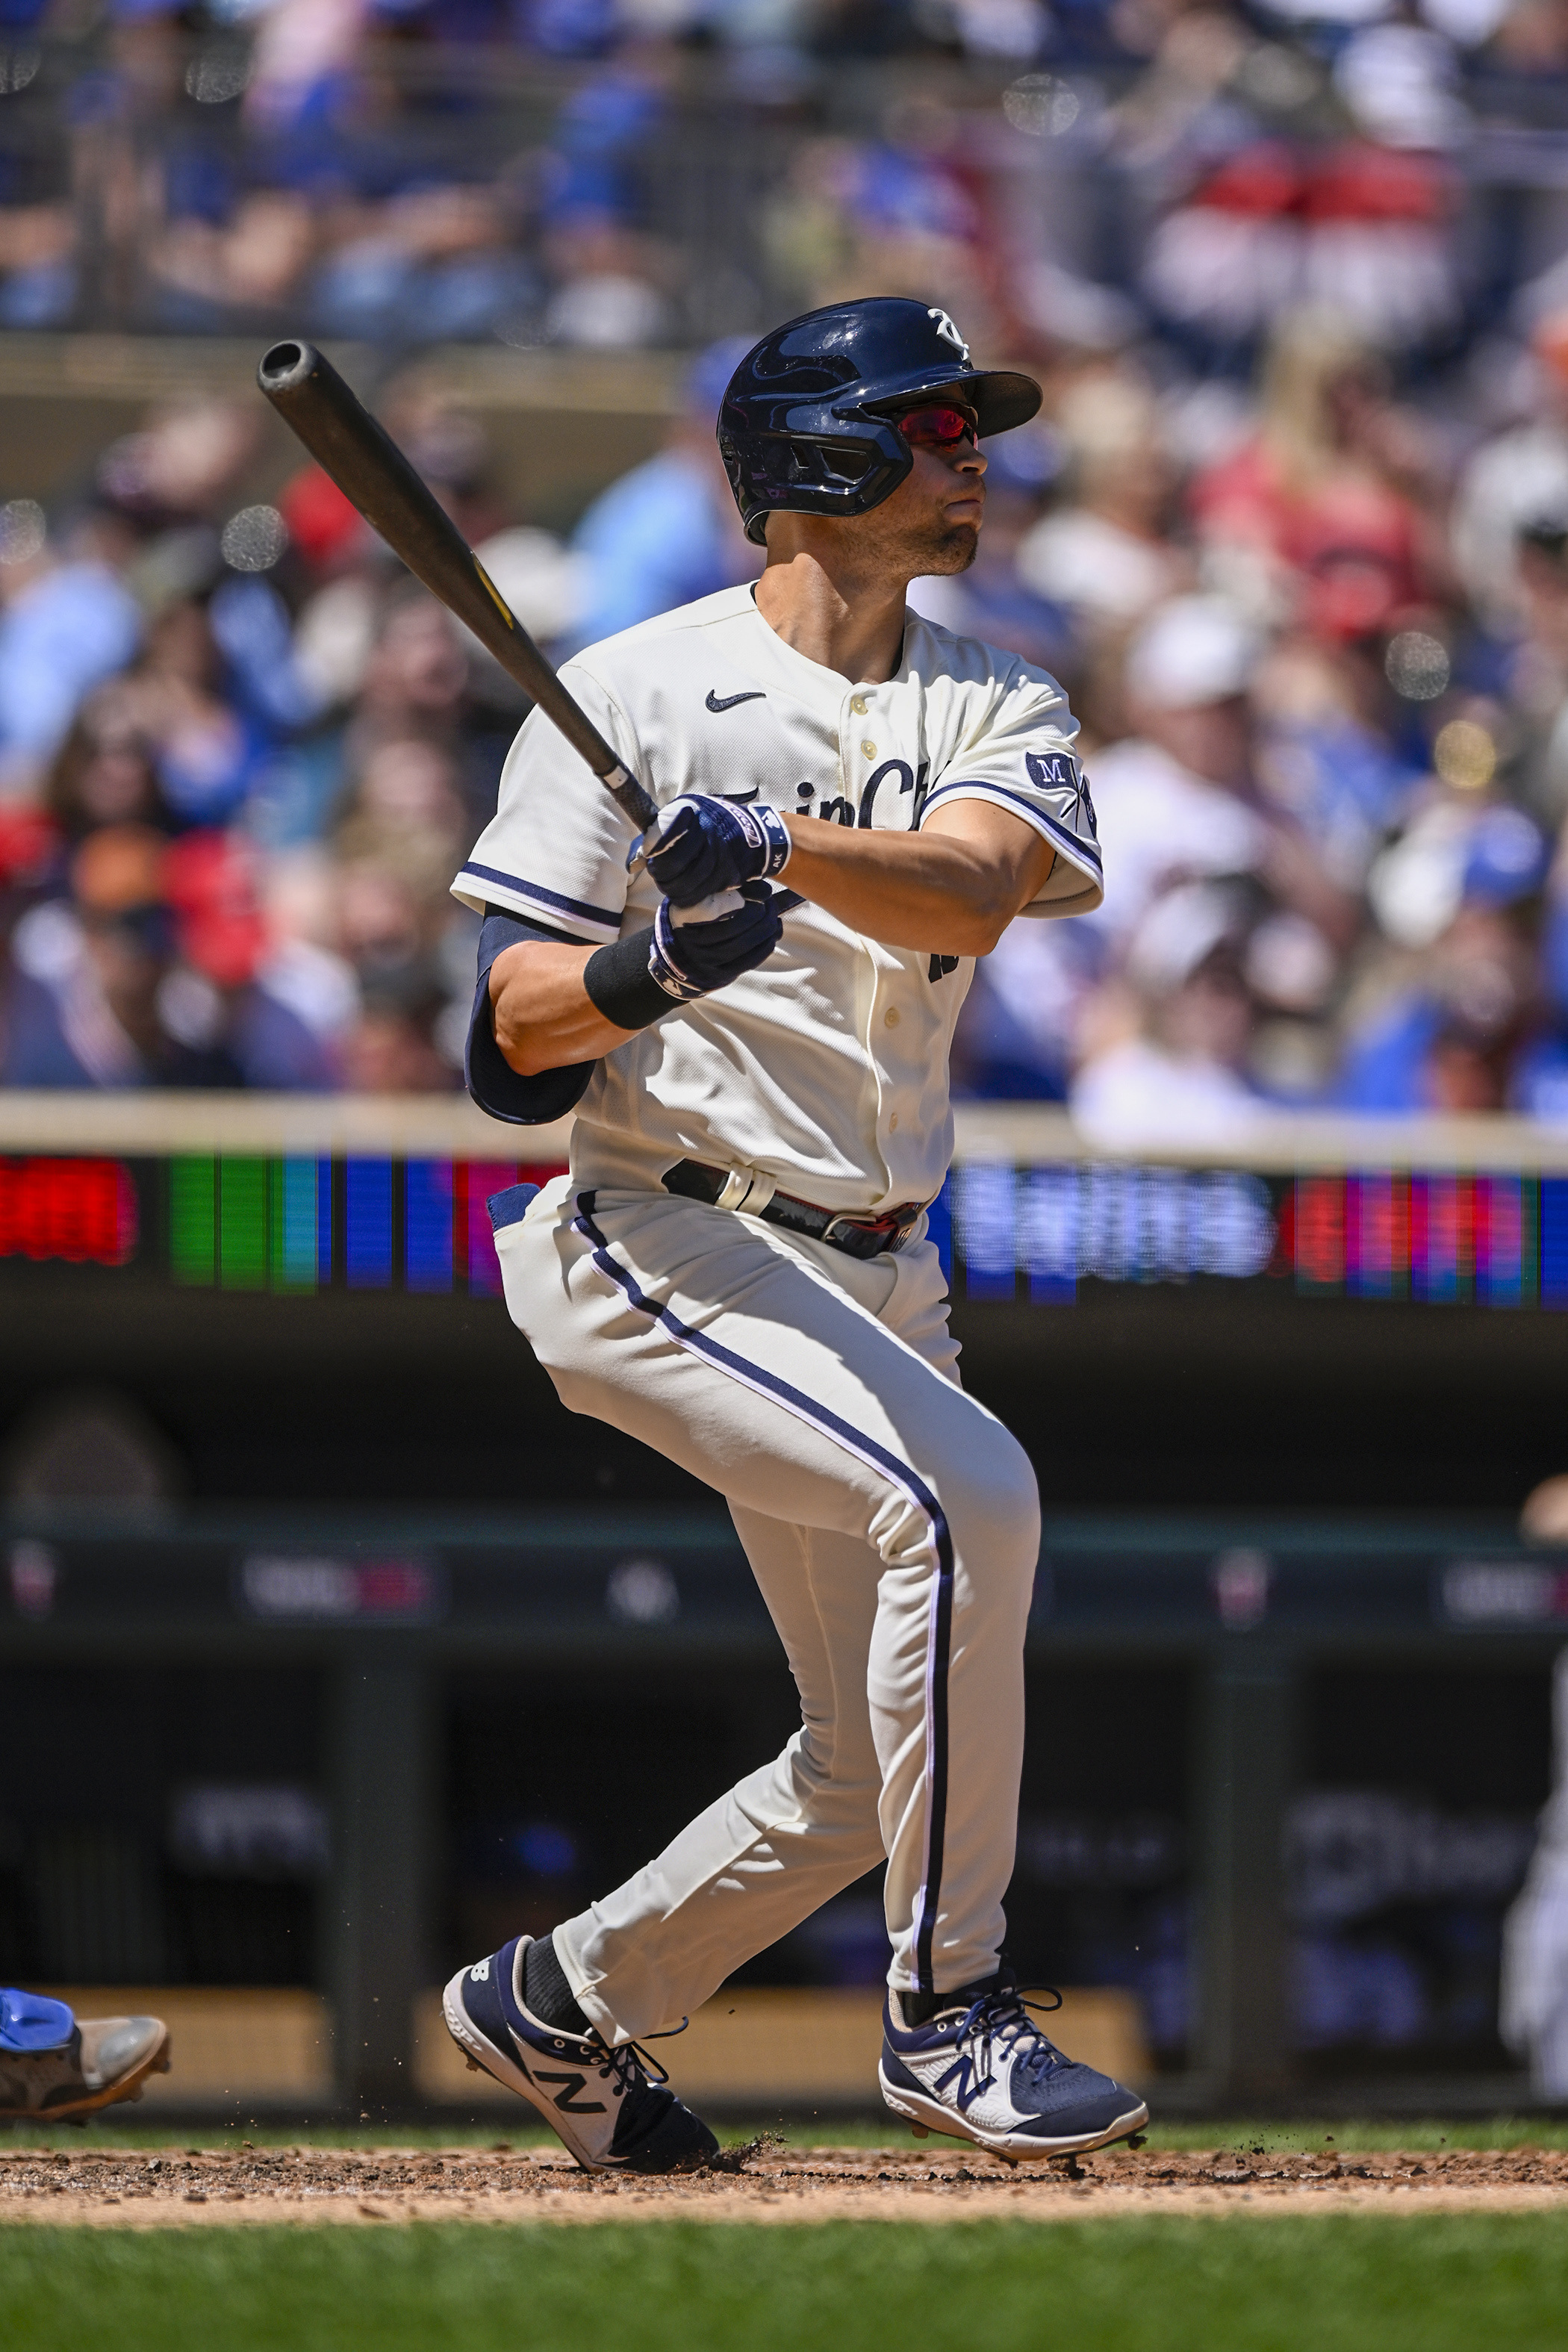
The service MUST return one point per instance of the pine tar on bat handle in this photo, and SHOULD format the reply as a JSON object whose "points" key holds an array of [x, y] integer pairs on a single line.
{"points": [[375, 477]]}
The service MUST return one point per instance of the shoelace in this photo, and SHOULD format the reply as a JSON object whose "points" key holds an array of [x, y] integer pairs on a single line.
{"points": [[620, 2064], [1002, 2020]]}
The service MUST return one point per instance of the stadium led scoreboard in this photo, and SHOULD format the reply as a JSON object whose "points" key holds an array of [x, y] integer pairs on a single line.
{"points": [[1029, 1215], [242, 1221], [1439, 1238]]}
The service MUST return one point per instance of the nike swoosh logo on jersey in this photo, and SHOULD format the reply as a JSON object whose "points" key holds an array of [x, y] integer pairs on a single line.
{"points": [[729, 701]]}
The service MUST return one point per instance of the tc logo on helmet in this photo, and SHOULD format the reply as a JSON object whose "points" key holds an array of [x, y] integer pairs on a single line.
{"points": [[949, 333]]}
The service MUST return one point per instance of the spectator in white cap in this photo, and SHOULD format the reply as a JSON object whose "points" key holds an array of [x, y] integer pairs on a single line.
{"points": [[1107, 554], [1177, 799], [1175, 1074]]}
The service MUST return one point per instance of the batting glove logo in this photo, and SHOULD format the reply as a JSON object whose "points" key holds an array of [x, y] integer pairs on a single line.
{"points": [[702, 845]]}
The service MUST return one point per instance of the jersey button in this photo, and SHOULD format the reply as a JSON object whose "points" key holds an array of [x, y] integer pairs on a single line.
{"points": [[892, 1016], [894, 1120], [869, 749], [859, 705]]}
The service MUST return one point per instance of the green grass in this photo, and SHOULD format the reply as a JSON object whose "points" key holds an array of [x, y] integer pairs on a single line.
{"points": [[131, 2130], [1341, 2284]]}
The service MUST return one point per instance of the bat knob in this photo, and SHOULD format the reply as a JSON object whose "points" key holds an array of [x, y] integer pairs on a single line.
{"points": [[287, 366]]}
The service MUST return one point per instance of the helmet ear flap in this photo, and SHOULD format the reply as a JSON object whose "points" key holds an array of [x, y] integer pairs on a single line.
{"points": [[839, 468], [826, 465]]}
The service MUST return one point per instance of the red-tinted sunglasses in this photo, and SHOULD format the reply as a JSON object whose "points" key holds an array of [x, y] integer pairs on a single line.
{"points": [[937, 428]]}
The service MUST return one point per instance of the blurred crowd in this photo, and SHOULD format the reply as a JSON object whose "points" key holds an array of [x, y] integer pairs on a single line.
{"points": [[1319, 653], [1322, 671], [1292, 529], [616, 173], [242, 755]]}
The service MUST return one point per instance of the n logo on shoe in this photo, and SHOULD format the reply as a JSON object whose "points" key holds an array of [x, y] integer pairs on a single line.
{"points": [[968, 2079], [567, 2100]]}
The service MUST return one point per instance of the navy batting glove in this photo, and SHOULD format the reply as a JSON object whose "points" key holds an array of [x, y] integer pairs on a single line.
{"points": [[690, 959], [702, 845]]}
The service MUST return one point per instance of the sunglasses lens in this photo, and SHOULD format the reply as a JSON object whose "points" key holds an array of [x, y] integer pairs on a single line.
{"points": [[936, 428]]}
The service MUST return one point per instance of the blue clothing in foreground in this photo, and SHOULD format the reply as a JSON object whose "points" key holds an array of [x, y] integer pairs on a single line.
{"points": [[655, 539], [1385, 1067], [60, 638], [29, 2022]]}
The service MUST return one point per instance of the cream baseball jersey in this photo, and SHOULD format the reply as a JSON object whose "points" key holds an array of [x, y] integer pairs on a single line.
{"points": [[825, 1068]]}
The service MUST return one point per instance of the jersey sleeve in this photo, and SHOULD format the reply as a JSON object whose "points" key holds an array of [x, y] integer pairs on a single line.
{"points": [[1020, 757], [555, 851]]}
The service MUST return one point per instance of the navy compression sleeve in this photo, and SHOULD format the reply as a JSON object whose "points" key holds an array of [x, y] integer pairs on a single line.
{"points": [[494, 1084]]}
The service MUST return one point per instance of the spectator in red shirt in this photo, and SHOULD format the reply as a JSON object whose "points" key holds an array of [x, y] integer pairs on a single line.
{"points": [[1324, 512]]}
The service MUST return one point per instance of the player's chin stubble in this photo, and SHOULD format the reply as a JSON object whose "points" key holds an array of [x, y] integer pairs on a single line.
{"points": [[930, 546], [910, 537]]}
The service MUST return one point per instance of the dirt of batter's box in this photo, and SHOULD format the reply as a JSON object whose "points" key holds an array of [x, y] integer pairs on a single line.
{"points": [[762, 2182]]}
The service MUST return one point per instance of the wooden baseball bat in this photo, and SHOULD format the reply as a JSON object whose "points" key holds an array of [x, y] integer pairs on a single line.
{"points": [[375, 477]]}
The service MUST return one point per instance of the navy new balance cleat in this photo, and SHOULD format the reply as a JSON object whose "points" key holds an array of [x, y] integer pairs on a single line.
{"points": [[603, 2103], [982, 2070]]}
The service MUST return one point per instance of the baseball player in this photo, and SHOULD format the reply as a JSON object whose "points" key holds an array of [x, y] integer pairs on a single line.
{"points": [[752, 1010]]}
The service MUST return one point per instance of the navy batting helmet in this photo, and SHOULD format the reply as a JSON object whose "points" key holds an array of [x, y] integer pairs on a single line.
{"points": [[805, 426]]}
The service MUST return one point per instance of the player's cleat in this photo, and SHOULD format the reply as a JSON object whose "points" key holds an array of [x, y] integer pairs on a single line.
{"points": [[606, 2104], [102, 2061], [982, 2070]]}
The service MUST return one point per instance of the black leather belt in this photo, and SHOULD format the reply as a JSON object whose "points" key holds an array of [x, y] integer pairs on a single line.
{"points": [[860, 1237]]}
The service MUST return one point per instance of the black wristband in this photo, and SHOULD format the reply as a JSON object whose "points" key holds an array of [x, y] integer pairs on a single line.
{"points": [[620, 985]]}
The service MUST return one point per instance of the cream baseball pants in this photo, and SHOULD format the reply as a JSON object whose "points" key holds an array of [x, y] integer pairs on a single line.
{"points": [[892, 1525]]}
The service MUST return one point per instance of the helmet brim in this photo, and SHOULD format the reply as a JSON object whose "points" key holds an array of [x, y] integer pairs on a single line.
{"points": [[1000, 398]]}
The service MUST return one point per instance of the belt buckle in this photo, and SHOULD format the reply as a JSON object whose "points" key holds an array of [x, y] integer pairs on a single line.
{"points": [[875, 1233], [913, 1212], [843, 1233]]}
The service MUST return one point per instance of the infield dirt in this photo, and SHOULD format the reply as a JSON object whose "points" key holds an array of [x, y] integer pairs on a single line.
{"points": [[759, 2182]]}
